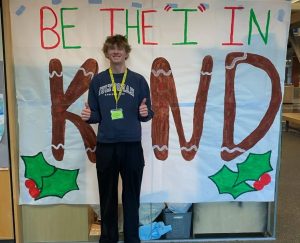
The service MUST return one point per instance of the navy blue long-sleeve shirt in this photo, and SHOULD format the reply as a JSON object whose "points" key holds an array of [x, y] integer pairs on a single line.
{"points": [[101, 101]]}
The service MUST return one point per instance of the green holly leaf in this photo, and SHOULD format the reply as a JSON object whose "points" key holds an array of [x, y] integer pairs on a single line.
{"points": [[225, 180], [36, 167], [254, 167], [59, 183]]}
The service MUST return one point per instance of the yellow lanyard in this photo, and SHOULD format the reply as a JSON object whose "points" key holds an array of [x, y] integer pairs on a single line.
{"points": [[114, 86]]}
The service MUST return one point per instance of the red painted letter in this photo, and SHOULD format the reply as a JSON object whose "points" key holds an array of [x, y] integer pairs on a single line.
{"points": [[51, 29], [231, 42], [112, 10], [144, 26]]}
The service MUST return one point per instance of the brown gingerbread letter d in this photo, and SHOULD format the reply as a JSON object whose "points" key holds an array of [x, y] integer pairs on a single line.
{"points": [[230, 150]]}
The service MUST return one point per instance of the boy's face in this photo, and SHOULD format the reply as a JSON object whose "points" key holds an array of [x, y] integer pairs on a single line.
{"points": [[116, 55]]}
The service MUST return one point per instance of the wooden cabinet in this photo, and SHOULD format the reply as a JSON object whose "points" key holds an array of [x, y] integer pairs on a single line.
{"points": [[6, 216], [55, 223]]}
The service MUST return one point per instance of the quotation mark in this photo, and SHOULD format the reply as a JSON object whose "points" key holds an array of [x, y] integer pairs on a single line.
{"points": [[169, 6], [203, 7]]}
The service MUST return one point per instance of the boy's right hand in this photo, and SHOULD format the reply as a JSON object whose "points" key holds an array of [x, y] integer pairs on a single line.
{"points": [[86, 112]]}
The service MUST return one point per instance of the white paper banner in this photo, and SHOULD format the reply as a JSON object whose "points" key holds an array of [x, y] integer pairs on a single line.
{"points": [[216, 74]]}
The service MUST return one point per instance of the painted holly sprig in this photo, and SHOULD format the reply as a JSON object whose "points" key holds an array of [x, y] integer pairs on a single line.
{"points": [[255, 168], [45, 180]]}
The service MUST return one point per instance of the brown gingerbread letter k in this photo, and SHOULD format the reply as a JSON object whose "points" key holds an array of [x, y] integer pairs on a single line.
{"points": [[61, 102]]}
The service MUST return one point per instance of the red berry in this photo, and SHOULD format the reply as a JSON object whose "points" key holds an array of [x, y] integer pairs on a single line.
{"points": [[34, 192], [265, 179], [258, 185], [30, 183]]}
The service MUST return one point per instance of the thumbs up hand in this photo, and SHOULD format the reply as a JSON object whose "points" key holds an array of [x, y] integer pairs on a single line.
{"points": [[143, 109], [86, 112]]}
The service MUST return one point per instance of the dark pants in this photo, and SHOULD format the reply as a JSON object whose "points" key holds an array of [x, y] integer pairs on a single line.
{"points": [[128, 160]]}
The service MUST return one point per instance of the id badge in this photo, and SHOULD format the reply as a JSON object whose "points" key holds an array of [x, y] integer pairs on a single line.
{"points": [[116, 114]]}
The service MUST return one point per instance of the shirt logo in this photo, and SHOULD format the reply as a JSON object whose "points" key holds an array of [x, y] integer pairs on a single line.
{"points": [[107, 90]]}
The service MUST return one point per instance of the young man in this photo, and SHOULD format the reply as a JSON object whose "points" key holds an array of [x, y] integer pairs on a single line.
{"points": [[119, 99]]}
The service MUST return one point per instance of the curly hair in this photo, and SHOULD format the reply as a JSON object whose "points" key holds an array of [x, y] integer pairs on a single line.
{"points": [[119, 40]]}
